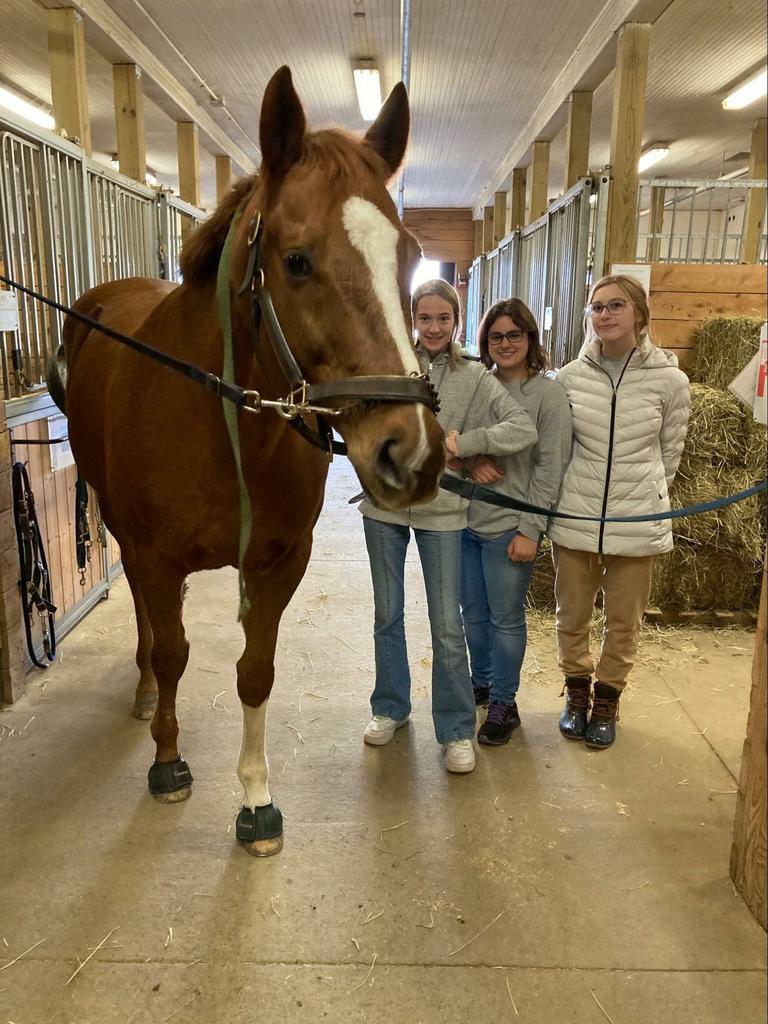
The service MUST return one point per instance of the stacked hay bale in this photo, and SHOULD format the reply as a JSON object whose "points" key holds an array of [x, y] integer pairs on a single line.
{"points": [[718, 555]]}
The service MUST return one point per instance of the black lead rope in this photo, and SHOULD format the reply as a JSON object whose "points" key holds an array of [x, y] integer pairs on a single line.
{"points": [[34, 580], [82, 528]]}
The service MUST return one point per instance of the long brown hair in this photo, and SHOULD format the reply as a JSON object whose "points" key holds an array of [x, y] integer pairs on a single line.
{"points": [[443, 290], [536, 358]]}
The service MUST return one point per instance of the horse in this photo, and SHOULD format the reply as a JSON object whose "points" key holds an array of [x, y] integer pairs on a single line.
{"points": [[325, 265]]}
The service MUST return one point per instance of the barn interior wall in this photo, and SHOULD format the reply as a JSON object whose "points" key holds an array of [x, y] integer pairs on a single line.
{"points": [[446, 235]]}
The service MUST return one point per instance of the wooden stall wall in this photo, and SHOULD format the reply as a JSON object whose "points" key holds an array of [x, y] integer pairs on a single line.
{"points": [[684, 294], [54, 493], [446, 235]]}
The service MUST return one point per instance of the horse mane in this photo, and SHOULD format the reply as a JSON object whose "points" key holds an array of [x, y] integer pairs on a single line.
{"points": [[200, 255], [333, 152]]}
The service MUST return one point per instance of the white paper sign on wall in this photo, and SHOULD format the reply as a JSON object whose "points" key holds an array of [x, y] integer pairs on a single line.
{"points": [[9, 311]]}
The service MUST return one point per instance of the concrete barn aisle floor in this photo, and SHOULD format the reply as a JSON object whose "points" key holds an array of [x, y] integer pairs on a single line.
{"points": [[552, 885]]}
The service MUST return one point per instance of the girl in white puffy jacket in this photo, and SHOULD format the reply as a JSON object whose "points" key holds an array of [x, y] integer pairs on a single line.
{"points": [[630, 404]]}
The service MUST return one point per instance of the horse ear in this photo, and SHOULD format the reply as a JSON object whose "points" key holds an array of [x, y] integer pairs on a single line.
{"points": [[282, 126], [388, 135]]}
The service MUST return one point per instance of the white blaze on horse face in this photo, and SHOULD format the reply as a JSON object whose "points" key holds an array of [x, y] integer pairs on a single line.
{"points": [[252, 766], [375, 238]]}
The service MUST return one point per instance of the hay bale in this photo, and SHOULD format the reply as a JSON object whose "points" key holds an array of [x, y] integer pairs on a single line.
{"points": [[724, 345], [541, 593], [694, 579]]}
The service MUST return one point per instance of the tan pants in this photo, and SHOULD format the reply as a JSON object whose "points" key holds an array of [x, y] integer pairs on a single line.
{"points": [[626, 585]]}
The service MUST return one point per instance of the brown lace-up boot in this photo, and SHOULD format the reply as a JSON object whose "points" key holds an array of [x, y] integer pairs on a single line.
{"points": [[601, 731], [573, 720]]}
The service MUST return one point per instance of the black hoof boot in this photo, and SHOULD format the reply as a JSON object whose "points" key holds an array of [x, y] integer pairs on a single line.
{"points": [[601, 731], [573, 720], [170, 781], [261, 830]]}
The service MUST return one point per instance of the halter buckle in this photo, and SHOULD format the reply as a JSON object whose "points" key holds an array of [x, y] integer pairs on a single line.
{"points": [[254, 228]]}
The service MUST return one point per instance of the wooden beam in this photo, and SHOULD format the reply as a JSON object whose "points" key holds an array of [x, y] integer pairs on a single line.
{"points": [[109, 21], [189, 170], [478, 238], [488, 229], [129, 121], [748, 853], [626, 140], [223, 176], [592, 60], [517, 204], [69, 88], [539, 180], [499, 217], [577, 137], [755, 208]]}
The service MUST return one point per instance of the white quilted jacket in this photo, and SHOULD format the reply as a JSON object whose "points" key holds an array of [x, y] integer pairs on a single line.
{"points": [[627, 443]]}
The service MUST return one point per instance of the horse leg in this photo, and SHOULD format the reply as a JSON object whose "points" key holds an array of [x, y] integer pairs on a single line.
{"points": [[162, 586], [260, 823], [145, 700]]}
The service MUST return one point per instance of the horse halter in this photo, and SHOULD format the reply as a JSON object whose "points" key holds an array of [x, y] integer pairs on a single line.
{"points": [[312, 398]]}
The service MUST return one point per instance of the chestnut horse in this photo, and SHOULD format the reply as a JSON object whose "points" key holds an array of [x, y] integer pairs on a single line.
{"points": [[337, 263]]}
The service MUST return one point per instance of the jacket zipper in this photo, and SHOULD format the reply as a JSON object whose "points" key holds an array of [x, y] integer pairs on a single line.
{"points": [[611, 432]]}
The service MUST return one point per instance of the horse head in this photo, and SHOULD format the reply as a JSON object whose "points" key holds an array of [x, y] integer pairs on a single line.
{"points": [[338, 262]]}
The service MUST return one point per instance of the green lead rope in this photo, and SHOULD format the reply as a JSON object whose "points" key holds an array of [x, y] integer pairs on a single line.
{"points": [[230, 410]]}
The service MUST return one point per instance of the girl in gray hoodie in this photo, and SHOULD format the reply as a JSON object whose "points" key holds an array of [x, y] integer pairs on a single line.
{"points": [[470, 399]]}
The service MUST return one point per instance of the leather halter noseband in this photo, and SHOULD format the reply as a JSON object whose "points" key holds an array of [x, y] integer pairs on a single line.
{"points": [[304, 397]]}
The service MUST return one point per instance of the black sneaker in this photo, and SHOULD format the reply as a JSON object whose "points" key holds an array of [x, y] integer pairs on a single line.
{"points": [[497, 728], [482, 695]]}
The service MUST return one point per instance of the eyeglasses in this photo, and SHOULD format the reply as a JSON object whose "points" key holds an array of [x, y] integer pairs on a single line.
{"points": [[614, 307], [496, 337]]}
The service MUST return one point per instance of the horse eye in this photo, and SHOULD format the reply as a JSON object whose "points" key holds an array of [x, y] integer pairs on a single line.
{"points": [[298, 265]]}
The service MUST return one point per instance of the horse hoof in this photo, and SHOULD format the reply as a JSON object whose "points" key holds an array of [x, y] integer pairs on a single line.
{"points": [[260, 831], [170, 782], [144, 707]]}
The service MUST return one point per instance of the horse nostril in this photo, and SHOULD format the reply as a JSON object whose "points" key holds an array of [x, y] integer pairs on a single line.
{"points": [[387, 464]]}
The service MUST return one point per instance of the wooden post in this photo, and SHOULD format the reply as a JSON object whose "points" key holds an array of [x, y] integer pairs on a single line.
{"points": [[655, 224], [755, 208], [577, 137], [626, 140], [748, 853], [13, 666], [189, 169], [517, 205], [69, 88], [223, 176], [477, 248], [487, 229], [539, 180], [129, 120], [499, 216]]}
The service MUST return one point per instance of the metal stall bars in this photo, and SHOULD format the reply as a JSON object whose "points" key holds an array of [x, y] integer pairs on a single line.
{"points": [[696, 220], [173, 214], [124, 237]]}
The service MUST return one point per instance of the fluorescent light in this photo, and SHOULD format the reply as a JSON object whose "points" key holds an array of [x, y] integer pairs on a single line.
{"points": [[368, 89], [747, 93], [114, 163], [652, 155], [37, 115]]}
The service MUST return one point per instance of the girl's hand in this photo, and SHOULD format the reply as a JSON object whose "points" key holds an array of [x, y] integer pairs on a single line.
{"points": [[451, 446], [485, 471], [522, 549]]}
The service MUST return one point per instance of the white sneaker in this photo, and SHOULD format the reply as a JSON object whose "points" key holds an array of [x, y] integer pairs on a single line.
{"points": [[381, 730], [459, 756]]}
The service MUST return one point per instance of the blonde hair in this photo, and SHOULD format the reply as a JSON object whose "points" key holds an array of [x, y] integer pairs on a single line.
{"points": [[443, 290], [635, 292]]}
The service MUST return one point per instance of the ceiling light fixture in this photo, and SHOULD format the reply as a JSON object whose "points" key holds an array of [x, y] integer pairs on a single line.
{"points": [[747, 92], [652, 155], [368, 88], [37, 115]]}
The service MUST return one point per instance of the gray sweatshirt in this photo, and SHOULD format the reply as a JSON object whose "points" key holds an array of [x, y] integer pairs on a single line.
{"points": [[489, 422], [534, 474]]}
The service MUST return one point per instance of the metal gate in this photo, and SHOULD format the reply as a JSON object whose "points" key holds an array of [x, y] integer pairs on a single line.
{"points": [[123, 227]]}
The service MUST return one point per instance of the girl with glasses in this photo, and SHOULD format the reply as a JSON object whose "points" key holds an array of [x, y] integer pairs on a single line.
{"points": [[630, 407], [499, 546], [479, 417]]}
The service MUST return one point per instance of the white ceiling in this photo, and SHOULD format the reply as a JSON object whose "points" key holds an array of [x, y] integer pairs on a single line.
{"points": [[481, 72]]}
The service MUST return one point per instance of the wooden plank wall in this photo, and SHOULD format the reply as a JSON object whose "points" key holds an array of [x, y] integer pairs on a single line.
{"points": [[684, 294], [55, 505], [447, 235], [748, 853]]}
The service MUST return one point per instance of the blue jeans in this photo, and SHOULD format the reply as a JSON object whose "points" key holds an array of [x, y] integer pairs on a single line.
{"points": [[453, 704], [493, 593]]}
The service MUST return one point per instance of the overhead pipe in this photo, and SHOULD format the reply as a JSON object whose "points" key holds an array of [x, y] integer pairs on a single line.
{"points": [[405, 77]]}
